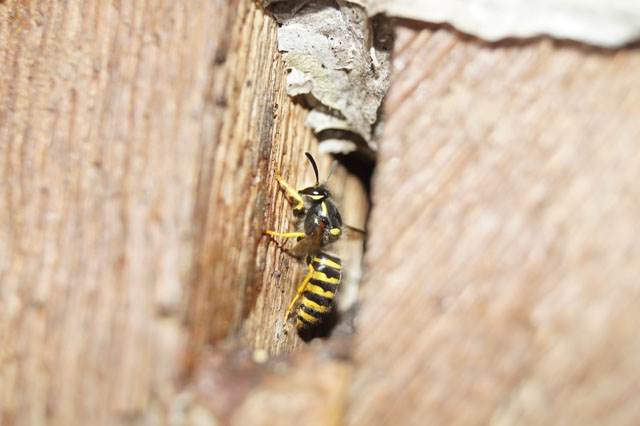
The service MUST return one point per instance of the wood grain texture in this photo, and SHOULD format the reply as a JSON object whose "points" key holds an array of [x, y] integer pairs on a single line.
{"points": [[501, 267], [138, 144], [99, 143]]}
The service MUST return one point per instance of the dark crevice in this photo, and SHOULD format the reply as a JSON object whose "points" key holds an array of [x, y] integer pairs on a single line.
{"points": [[361, 162]]}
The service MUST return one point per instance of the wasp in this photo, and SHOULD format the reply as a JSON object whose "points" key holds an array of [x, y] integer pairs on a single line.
{"points": [[320, 226]]}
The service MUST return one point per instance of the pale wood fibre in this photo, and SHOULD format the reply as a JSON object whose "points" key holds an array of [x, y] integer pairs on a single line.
{"points": [[501, 283], [138, 145]]}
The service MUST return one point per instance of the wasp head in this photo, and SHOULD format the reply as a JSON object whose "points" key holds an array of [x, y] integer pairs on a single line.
{"points": [[316, 192]]}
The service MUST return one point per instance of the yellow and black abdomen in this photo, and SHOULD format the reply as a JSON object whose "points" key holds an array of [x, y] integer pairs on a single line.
{"points": [[321, 289]]}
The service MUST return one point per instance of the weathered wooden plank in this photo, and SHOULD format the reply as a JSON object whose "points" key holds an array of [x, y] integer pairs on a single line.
{"points": [[138, 144], [501, 285], [102, 112]]}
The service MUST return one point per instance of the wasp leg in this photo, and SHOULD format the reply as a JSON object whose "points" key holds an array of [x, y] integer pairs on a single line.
{"points": [[288, 251], [285, 235], [301, 289], [291, 192]]}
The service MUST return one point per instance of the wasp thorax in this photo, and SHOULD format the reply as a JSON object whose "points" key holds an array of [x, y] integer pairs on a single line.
{"points": [[323, 217]]}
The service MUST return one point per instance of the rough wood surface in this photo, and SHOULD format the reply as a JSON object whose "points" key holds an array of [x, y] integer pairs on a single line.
{"points": [[138, 144], [500, 272], [501, 269]]}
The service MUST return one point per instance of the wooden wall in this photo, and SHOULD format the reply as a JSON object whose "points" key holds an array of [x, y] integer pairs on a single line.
{"points": [[500, 285], [138, 146]]}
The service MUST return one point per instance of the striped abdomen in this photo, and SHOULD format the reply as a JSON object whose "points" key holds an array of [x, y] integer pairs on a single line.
{"points": [[321, 289]]}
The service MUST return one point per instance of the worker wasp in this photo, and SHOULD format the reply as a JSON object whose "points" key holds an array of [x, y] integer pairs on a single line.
{"points": [[320, 225]]}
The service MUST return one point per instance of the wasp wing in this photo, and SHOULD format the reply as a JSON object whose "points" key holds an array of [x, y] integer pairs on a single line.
{"points": [[309, 244], [351, 233]]}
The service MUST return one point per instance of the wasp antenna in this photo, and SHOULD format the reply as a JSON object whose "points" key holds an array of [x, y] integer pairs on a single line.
{"points": [[315, 167], [333, 169]]}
